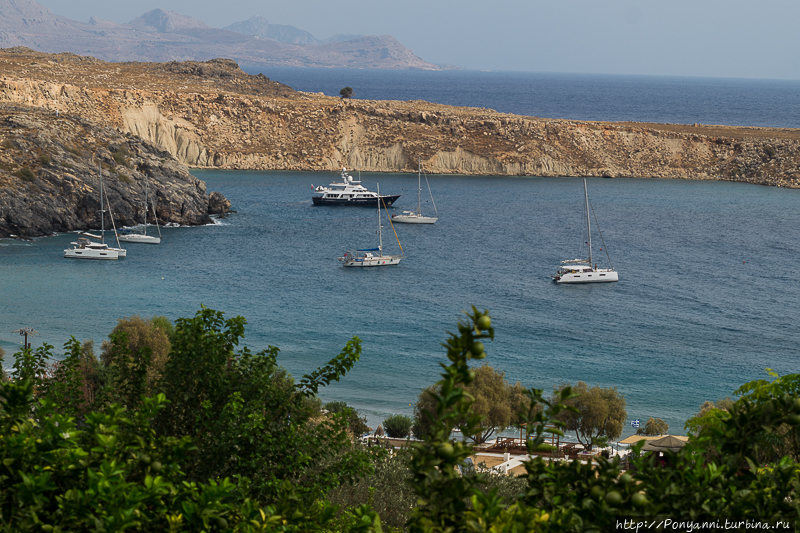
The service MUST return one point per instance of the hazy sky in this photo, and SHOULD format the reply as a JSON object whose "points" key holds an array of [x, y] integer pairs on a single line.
{"points": [[728, 38]]}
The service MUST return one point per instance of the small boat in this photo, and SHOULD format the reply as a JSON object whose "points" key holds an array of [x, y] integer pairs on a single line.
{"points": [[585, 270], [416, 217], [87, 249], [349, 192], [370, 257], [143, 238]]}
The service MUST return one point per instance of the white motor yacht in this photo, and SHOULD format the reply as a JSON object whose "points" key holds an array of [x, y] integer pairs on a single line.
{"points": [[349, 192]]}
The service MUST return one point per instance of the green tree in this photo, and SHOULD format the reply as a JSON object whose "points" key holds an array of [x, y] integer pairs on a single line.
{"points": [[599, 416], [496, 400], [346, 92], [113, 474], [397, 426], [251, 421], [653, 427], [140, 335], [356, 423]]}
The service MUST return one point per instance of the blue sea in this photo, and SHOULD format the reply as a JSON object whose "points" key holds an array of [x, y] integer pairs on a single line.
{"points": [[708, 295], [663, 99]]}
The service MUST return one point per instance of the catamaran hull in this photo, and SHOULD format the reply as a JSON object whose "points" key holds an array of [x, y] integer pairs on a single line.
{"points": [[360, 202], [91, 254], [596, 276]]}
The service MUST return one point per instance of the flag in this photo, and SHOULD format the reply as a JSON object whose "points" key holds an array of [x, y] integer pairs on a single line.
{"points": [[635, 423]]}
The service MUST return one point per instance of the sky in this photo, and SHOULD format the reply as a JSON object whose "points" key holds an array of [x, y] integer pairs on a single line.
{"points": [[716, 38]]}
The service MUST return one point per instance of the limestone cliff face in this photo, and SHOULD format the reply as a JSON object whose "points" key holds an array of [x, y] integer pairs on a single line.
{"points": [[244, 128]]}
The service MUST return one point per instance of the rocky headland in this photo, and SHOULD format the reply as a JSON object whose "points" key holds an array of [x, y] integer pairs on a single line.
{"points": [[213, 115]]}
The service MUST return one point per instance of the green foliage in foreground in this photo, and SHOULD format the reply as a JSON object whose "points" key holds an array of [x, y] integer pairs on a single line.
{"points": [[232, 443]]}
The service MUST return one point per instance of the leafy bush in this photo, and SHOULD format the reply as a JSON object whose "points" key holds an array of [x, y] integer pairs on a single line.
{"points": [[356, 423], [397, 426], [45, 159]]}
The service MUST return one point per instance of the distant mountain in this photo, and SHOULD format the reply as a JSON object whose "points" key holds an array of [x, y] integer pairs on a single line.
{"points": [[261, 28], [161, 21], [341, 37], [160, 36]]}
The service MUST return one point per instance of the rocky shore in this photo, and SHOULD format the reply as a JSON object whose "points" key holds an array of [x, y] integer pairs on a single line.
{"points": [[213, 115]]}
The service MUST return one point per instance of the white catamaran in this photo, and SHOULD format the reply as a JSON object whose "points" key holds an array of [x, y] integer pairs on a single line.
{"points": [[416, 217], [88, 249], [368, 257], [585, 270]]}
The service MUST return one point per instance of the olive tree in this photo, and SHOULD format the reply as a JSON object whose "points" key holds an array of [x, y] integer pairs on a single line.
{"points": [[397, 426], [601, 413], [131, 338], [346, 92], [495, 399], [653, 427]]}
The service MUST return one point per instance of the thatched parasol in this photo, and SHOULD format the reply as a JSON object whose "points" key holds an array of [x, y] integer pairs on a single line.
{"points": [[668, 443]]}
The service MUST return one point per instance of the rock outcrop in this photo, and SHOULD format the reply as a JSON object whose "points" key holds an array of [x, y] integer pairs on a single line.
{"points": [[50, 167]]}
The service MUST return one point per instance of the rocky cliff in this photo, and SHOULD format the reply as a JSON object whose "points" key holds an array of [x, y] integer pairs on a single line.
{"points": [[50, 167]]}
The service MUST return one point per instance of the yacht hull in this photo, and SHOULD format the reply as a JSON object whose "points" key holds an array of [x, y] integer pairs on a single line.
{"points": [[414, 219], [385, 260], [594, 276], [140, 239], [361, 202]]}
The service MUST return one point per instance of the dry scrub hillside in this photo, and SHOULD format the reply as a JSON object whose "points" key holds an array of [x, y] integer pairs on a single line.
{"points": [[212, 114]]}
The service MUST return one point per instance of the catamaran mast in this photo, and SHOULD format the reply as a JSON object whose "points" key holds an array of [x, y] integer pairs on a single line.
{"points": [[588, 223]]}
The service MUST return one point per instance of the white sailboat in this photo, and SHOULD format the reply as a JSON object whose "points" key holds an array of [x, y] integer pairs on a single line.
{"points": [[370, 257], [144, 238], [585, 270], [416, 217], [88, 249]]}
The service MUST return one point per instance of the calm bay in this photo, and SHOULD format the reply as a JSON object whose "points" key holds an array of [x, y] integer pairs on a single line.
{"points": [[707, 299]]}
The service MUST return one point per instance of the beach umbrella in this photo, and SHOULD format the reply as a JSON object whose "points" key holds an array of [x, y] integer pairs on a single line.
{"points": [[668, 443], [379, 431]]}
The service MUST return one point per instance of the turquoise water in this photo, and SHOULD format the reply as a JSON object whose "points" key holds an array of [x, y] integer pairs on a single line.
{"points": [[708, 294]]}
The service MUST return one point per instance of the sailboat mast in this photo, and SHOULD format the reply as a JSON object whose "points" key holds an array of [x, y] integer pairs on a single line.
{"points": [[102, 210], [145, 205], [419, 185], [380, 236], [588, 222]]}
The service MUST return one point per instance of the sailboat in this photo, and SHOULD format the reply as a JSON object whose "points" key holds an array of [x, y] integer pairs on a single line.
{"points": [[585, 270], [416, 217], [144, 238], [368, 256], [88, 249]]}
